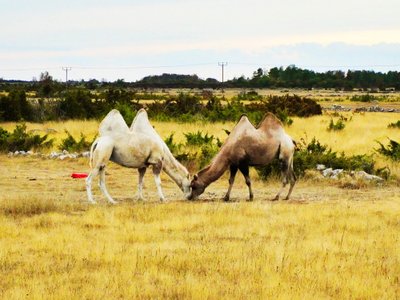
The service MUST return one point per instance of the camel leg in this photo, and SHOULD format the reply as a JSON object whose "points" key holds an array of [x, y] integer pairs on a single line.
{"points": [[245, 171], [284, 172], [233, 170], [284, 182], [292, 179], [93, 173], [102, 184], [156, 171], [142, 171]]}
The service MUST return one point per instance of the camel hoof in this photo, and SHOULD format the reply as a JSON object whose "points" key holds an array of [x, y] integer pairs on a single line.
{"points": [[275, 199], [226, 199]]}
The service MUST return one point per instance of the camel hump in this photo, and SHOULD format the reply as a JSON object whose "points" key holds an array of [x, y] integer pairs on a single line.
{"points": [[241, 126], [243, 120], [270, 121], [141, 119], [113, 122], [142, 110]]}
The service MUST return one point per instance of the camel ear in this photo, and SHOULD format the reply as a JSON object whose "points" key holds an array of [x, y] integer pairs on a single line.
{"points": [[195, 177]]}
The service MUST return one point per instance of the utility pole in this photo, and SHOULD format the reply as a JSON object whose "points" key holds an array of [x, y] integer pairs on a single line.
{"points": [[66, 69], [222, 65]]}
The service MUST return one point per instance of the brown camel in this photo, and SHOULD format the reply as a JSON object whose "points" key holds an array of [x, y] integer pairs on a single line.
{"points": [[249, 146]]}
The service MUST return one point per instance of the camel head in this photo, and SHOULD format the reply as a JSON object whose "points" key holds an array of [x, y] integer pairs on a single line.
{"points": [[197, 187], [185, 187]]}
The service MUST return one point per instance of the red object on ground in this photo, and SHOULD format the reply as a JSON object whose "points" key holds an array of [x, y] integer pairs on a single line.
{"points": [[79, 175]]}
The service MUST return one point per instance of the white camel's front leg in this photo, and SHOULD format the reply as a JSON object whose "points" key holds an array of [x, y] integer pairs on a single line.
{"points": [[102, 185], [92, 174], [142, 171], [157, 179], [156, 171]]}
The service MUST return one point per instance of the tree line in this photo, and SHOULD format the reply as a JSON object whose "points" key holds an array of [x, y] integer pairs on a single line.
{"points": [[289, 77]]}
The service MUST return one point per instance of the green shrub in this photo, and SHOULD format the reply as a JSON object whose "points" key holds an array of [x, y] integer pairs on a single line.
{"points": [[284, 117], [392, 150], [313, 153], [198, 139], [394, 125], [209, 146], [364, 98], [20, 140], [339, 125], [176, 150], [73, 145]]}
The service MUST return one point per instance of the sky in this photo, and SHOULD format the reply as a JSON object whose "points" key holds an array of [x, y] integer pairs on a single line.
{"points": [[121, 39]]}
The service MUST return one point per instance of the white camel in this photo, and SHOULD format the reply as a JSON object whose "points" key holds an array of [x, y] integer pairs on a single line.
{"points": [[137, 147], [126, 148]]}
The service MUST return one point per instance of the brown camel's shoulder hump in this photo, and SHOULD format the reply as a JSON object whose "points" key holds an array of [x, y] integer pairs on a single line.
{"points": [[242, 125]]}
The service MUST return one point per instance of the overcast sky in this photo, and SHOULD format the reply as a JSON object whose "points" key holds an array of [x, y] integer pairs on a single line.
{"points": [[121, 39]]}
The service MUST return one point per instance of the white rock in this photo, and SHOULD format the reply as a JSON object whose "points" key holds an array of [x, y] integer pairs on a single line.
{"points": [[327, 172], [54, 155], [335, 173], [321, 167], [364, 175]]}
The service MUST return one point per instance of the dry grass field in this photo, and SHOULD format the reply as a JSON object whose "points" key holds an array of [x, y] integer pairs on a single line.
{"points": [[328, 242]]}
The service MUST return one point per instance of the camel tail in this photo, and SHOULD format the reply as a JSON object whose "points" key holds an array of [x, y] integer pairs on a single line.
{"points": [[92, 148]]}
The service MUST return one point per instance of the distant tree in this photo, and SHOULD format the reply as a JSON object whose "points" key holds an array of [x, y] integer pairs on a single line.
{"points": [[77, 104], [46, 85]]}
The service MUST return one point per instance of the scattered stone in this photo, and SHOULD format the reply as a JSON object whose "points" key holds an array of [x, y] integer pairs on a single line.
{"points": [[340, 173], [365, 176], [327, 172], [53, 155], [336, 173]]}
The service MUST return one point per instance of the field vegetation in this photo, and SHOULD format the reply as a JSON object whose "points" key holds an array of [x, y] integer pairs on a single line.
{"points": [[335, 238]]}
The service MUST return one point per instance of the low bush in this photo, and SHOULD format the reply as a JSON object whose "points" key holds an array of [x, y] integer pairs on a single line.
{"points": [[209, 147], [364, 98], [198, 139], [394, 125], [310, 154], [21, 140], [73, 145], [391, 151], [339, 125]]}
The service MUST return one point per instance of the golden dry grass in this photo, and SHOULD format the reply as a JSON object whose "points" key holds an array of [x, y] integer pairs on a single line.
{"points": [[332, 240], [327, 242]]}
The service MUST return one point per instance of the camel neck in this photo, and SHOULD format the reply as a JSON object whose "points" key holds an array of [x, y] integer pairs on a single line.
{"points": [[214, 171], [175, 170]]}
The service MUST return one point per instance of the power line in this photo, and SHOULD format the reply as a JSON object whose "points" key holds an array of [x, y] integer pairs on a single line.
{"points": [[221, 64]]}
